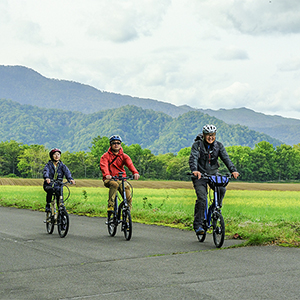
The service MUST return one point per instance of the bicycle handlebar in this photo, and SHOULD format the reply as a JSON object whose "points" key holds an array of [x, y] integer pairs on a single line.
{"points": [[121, 177], [207, 176], [60, 182]]}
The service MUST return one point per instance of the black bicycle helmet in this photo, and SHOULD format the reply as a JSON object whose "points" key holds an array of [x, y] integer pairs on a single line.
{"points": [[209, 129], [115, 138], [52, 151]]}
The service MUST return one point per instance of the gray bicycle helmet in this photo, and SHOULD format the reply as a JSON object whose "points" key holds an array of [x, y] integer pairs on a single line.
{"points": [[209, 129], [115, 138]]}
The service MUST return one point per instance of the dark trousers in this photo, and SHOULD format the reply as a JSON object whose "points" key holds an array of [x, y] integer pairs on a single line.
{"points": [[200, 186], [50, 191]]}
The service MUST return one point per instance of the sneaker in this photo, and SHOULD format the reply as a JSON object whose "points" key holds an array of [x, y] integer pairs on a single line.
{"points": [[47, 209], [110, 209], [199, 231]]}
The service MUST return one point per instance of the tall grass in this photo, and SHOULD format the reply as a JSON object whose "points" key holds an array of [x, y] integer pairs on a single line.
{"points": [[259, 217]]}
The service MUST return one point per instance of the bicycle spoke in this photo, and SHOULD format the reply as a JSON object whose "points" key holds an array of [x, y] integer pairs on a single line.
{"points": [[218, 229], [127, 224], [111, 224], [49, 222], [63, 223]]}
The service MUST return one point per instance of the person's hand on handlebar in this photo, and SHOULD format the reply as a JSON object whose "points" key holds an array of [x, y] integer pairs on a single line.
{"points": [[48, 180], [136, 176], [72, 181], [197, 174], [108, 177], [235, 174]]}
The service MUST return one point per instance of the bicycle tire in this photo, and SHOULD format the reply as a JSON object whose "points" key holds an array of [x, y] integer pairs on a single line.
{"points": [[218, 229], [63, 223], [49, 222], [111, 223], [126, 224], [201, 237]]}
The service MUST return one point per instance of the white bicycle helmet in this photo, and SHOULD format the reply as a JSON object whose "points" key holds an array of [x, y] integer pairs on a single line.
{"points": [[209, 129]]}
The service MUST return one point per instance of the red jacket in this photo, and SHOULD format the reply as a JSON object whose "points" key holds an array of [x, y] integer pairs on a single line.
{"points": [[112, 164]]}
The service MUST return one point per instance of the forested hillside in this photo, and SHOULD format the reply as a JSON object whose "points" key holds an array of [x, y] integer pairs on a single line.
{"points": [[74, 131], [27, 86]]}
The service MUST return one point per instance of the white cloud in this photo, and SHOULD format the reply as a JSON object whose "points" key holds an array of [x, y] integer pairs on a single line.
{"points": [[122, 21], [232, 53], [264, 16], [207, 54], [231, 96], [290, 65]]}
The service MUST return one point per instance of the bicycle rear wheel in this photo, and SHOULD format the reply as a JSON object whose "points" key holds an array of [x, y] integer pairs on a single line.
{"points": [[49, 222], [63, 223], [126, 224], [111, 223], [218, 229]]}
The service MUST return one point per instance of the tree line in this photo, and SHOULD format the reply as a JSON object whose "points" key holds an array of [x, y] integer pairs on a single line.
{"points": [[262, 163]]}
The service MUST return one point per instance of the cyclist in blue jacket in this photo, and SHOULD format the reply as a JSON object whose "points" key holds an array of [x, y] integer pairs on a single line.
{"points": [[204, 156], [54, 170]]}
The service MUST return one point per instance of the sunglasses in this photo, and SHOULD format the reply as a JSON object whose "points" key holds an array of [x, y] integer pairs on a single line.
{"points": [[116, 143]]}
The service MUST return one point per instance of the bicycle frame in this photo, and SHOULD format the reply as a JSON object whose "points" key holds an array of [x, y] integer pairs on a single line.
{"points": [[57, 202], [212, 213], [58, 215], [209, 209], [121, 213]]}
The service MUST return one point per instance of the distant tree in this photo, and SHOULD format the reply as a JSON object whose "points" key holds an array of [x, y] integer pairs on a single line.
{"points": [[288, 162], [242, 159], [32, 161], [99, 146], [9, 152], [263, 161], [184, 152], [177, 168], [81, 164]]}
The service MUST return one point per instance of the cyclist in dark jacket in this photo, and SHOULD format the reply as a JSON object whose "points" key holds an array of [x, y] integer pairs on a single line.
{"points": [[54, 170], [204, 156]]}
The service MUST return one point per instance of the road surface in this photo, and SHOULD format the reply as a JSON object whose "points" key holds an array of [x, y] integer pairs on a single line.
{"points": [[157, 263]]}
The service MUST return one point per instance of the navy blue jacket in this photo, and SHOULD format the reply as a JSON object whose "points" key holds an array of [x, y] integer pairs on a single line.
{"points": [[62, 170]]}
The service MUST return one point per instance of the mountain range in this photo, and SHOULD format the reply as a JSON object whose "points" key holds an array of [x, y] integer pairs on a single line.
{"points": [[72, 113]]}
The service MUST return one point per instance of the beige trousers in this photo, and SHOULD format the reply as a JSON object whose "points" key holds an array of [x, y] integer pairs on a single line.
{"points": [[115, 186]]}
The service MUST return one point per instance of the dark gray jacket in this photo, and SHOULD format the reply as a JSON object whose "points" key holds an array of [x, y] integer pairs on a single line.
{"points": [[204, 157]]}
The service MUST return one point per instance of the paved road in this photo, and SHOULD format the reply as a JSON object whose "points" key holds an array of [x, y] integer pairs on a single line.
{"points": [[158, 263]]}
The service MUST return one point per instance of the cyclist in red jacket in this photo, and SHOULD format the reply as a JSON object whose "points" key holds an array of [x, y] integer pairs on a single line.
{"points": [[111, 163]]}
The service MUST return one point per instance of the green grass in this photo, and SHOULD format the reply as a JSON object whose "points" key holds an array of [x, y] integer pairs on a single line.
{"points": [[258, 217]]}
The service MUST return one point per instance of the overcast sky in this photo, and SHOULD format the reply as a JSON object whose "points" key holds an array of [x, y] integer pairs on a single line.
{"points": [[203, 53]]}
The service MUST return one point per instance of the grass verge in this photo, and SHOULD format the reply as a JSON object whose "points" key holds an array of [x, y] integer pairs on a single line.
{"points": [[258, 217]]}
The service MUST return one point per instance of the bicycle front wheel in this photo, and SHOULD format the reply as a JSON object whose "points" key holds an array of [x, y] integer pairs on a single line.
{"points": [[63, 223], [218, 229], [49, 222], [126, 224], [201, 237], [111, 223]]}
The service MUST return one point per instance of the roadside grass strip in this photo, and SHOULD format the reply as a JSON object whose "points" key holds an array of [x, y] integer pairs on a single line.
{"points": [[258, 217]]}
